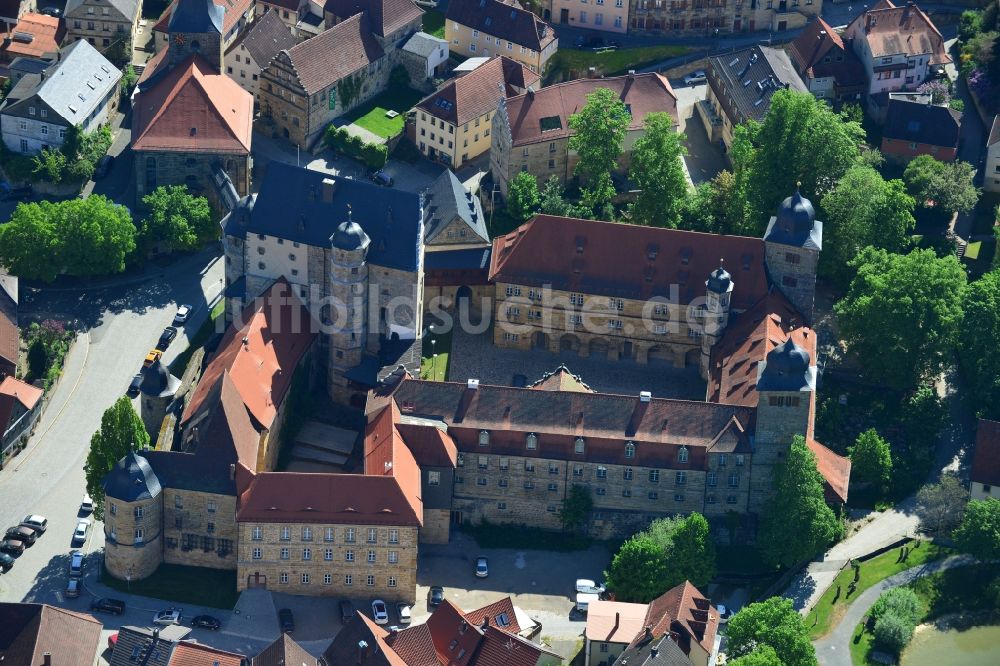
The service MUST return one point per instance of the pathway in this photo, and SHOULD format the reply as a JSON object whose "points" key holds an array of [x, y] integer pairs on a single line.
{"points": [[834, 648]]}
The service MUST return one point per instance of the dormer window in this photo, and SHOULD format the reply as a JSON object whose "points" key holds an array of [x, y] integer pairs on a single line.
{"points": [[484, 437], [630, 449], [682, 454], [532, 441], [578, 446]]}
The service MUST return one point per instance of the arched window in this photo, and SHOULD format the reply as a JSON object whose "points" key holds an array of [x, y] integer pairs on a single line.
{"points": [[484, 437], [532, 441], [630, 449], [628, 473], [682, 454], [579, 445]]}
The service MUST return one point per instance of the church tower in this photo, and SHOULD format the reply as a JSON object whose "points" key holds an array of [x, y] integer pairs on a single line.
{"points": [[196, 28], [347, 320], [792, 244], [718, 296]]}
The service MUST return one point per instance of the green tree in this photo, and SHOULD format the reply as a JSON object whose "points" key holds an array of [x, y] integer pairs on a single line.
{"points": [[28, 244], [658, 173], [121, 431], [797, 522], [871, 460], [801, 140], [863, 209], [977, 342], [50, 164], [637, 570], [763, 655], [901, 601], [523, 198], [129, 79], [551, 201], [902, 314], [576, 508], [772, 623], [940, 505], [892, 632], [691, 553], [946, 186], [979, 532], [175, 220], [598, 138]]}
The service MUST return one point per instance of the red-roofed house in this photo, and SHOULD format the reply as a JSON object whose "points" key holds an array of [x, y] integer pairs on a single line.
{"points": [[33, 36], [985, 473], [827, 65], [19, 409], [34, 634], [195, 654]]}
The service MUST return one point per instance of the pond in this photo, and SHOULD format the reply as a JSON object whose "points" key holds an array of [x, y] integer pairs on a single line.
{"points": [[972, 647]]}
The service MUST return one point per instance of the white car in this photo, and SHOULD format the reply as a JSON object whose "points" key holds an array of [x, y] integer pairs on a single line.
{"points": [[696, 77], [80, 535], [587, 586], [37, 523], [87, 505], [168, 617], [183, 312], [379, 612], [404, 612]]}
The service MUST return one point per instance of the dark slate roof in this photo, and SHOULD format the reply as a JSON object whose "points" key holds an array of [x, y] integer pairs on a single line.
{"points": [[922, 123], [266, 37], [788, 368], [198, 16], [447, 199], [28, 632], [474, 258], [654, 652], [795, 223], [157, 381], [155, 645], [284, 651], [22, 65], [751, 77], [290, 206], [131, 479], [385, 16], [503, 20]]}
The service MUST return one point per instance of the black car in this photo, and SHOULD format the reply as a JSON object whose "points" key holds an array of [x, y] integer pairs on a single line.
{"points": [[108, 605], [346, 611], [206, 622], [435, 596], [6, 562], [21, 533], [133, 388], [286, 621], [168, 335], [11, 547]]}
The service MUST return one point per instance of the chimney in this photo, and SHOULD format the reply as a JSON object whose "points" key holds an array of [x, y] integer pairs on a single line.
{"points": [[618, 621], [246, 342], [47, 658], [462, 624], [647, 633], [631, 74], [645, 396], [156, 635], [473, 385], [329, 187], [362, 651], [486, 622]]}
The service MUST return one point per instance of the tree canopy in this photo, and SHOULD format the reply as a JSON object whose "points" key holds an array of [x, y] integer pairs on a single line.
{"points": [[940, 505], [871, 460], [797, 523], [598, 138], [773, 623], [176, 220], [762, 655], [979, 532], [523, 198], [121, 431], [657, 172], [977, 343], [79, 237], [637, 570], [946, 186], [902, 314]]}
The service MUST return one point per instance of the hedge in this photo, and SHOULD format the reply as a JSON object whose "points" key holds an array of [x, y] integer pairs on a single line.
{"points": [[374, 155]]}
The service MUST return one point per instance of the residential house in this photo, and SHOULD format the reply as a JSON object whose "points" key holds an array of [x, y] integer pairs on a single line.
{"points": [[22, 65], [984, 477], [611, 626], [288, 10], [150, 647], [191, 124], [607, 15], [284, 651], [424, 57], [496, 27], [453, 124], [706, 18], [826, 64], [103, 23], [991, 172], [392, 21], [195, 654], [255, 47], [34, 36], [453, 216], [10, 333], [44, 634], [531, 132], [20, 406], [740, 86], [79, 89], [899, 48], [11, 11], [920, 128], [238, 15]]}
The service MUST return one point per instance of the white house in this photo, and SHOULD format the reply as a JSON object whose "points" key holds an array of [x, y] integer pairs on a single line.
{"points": [[252, 51], [429, 51]]}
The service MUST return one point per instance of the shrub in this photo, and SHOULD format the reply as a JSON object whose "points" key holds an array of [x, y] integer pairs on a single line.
{"points": [[399, 77], [373, 155], [900, 601], [893, 632]]}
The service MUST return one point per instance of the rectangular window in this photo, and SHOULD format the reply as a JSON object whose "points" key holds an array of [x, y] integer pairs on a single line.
{"points": [[553, 487], [601, 491], [138, 513], [283, 578], [370, 581], [371, 555], [602, 472], [258, 553], [305, 579], [286, 534], [307, 534], [285, 553], [711, 479], [328, 554], [654, 476], [553, 468], [348, 579], [394, 536], [681, 478], [349, 556], [307, 554], [349, 535], [391, 581], [328, 536], [327, 579]]}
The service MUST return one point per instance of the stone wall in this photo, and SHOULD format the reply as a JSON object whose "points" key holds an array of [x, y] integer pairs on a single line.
{"points": [[199, 529], [123, 556], [437, 526], [193, 169]]}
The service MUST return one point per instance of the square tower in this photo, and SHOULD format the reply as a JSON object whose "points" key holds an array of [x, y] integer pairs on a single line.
{"points": [[792, 243]]}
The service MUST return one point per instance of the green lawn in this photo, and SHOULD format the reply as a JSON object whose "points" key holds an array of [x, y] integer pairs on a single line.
{"points": [[189, 585], [200, 337], [434, 23], [435, 369], [574, 63], [372, 116], [832, 606]]}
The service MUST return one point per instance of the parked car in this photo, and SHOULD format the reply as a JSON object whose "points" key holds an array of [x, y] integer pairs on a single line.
{"points": [[168, 617], [103, 166], [183, 312], [112, 640], [87, 505], [12, 547], [403, 609], [72, 588], [76, 564], [379, 612], [435, 596], [168, 335], [286, 621], [346, 611], [382, 178], [587, 586], [80, 534], [696, 77], [37, 523], [6, 562], [482, 567], [206, 622], [152, 357], [25, 535], [108, 605], [133, 388]]}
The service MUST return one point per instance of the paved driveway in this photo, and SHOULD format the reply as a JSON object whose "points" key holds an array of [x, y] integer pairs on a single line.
{"points": [[704, 160]]}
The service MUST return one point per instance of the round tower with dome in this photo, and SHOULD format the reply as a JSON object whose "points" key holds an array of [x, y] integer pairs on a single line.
{"points": [[346, 316], [792, 243], [133, 519], [156, 391], [718, 297]]}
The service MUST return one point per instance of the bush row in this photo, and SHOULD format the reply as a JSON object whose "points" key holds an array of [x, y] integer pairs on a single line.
{"points": [[374, 155]]}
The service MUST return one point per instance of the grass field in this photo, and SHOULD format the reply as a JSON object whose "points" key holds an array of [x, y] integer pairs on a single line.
{"points": [[372, 116], [431, 368], [832, 605], [574, 63], [434, 23], [190, 585]]}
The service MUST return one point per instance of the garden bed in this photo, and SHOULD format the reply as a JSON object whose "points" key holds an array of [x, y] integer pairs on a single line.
{"points": [[215, 588]]}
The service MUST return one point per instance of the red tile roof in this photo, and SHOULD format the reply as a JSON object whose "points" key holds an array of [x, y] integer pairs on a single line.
{"points": [[891, 30], [385, 16], [686, 611], [387, 457], [192, 108], [477, 93], [644, 93], [10, 333], [414, 645], [195, 654], [561, 379], [15, 391], [283, 652], [328, 57], [455, 640], [820, 52], [47, 33], [616, 260], [234, 11], [500, 648], [835, 469], [432, 447], [986, 458], [28, 631], [491, 614], [615, 621], [278, 331]]}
